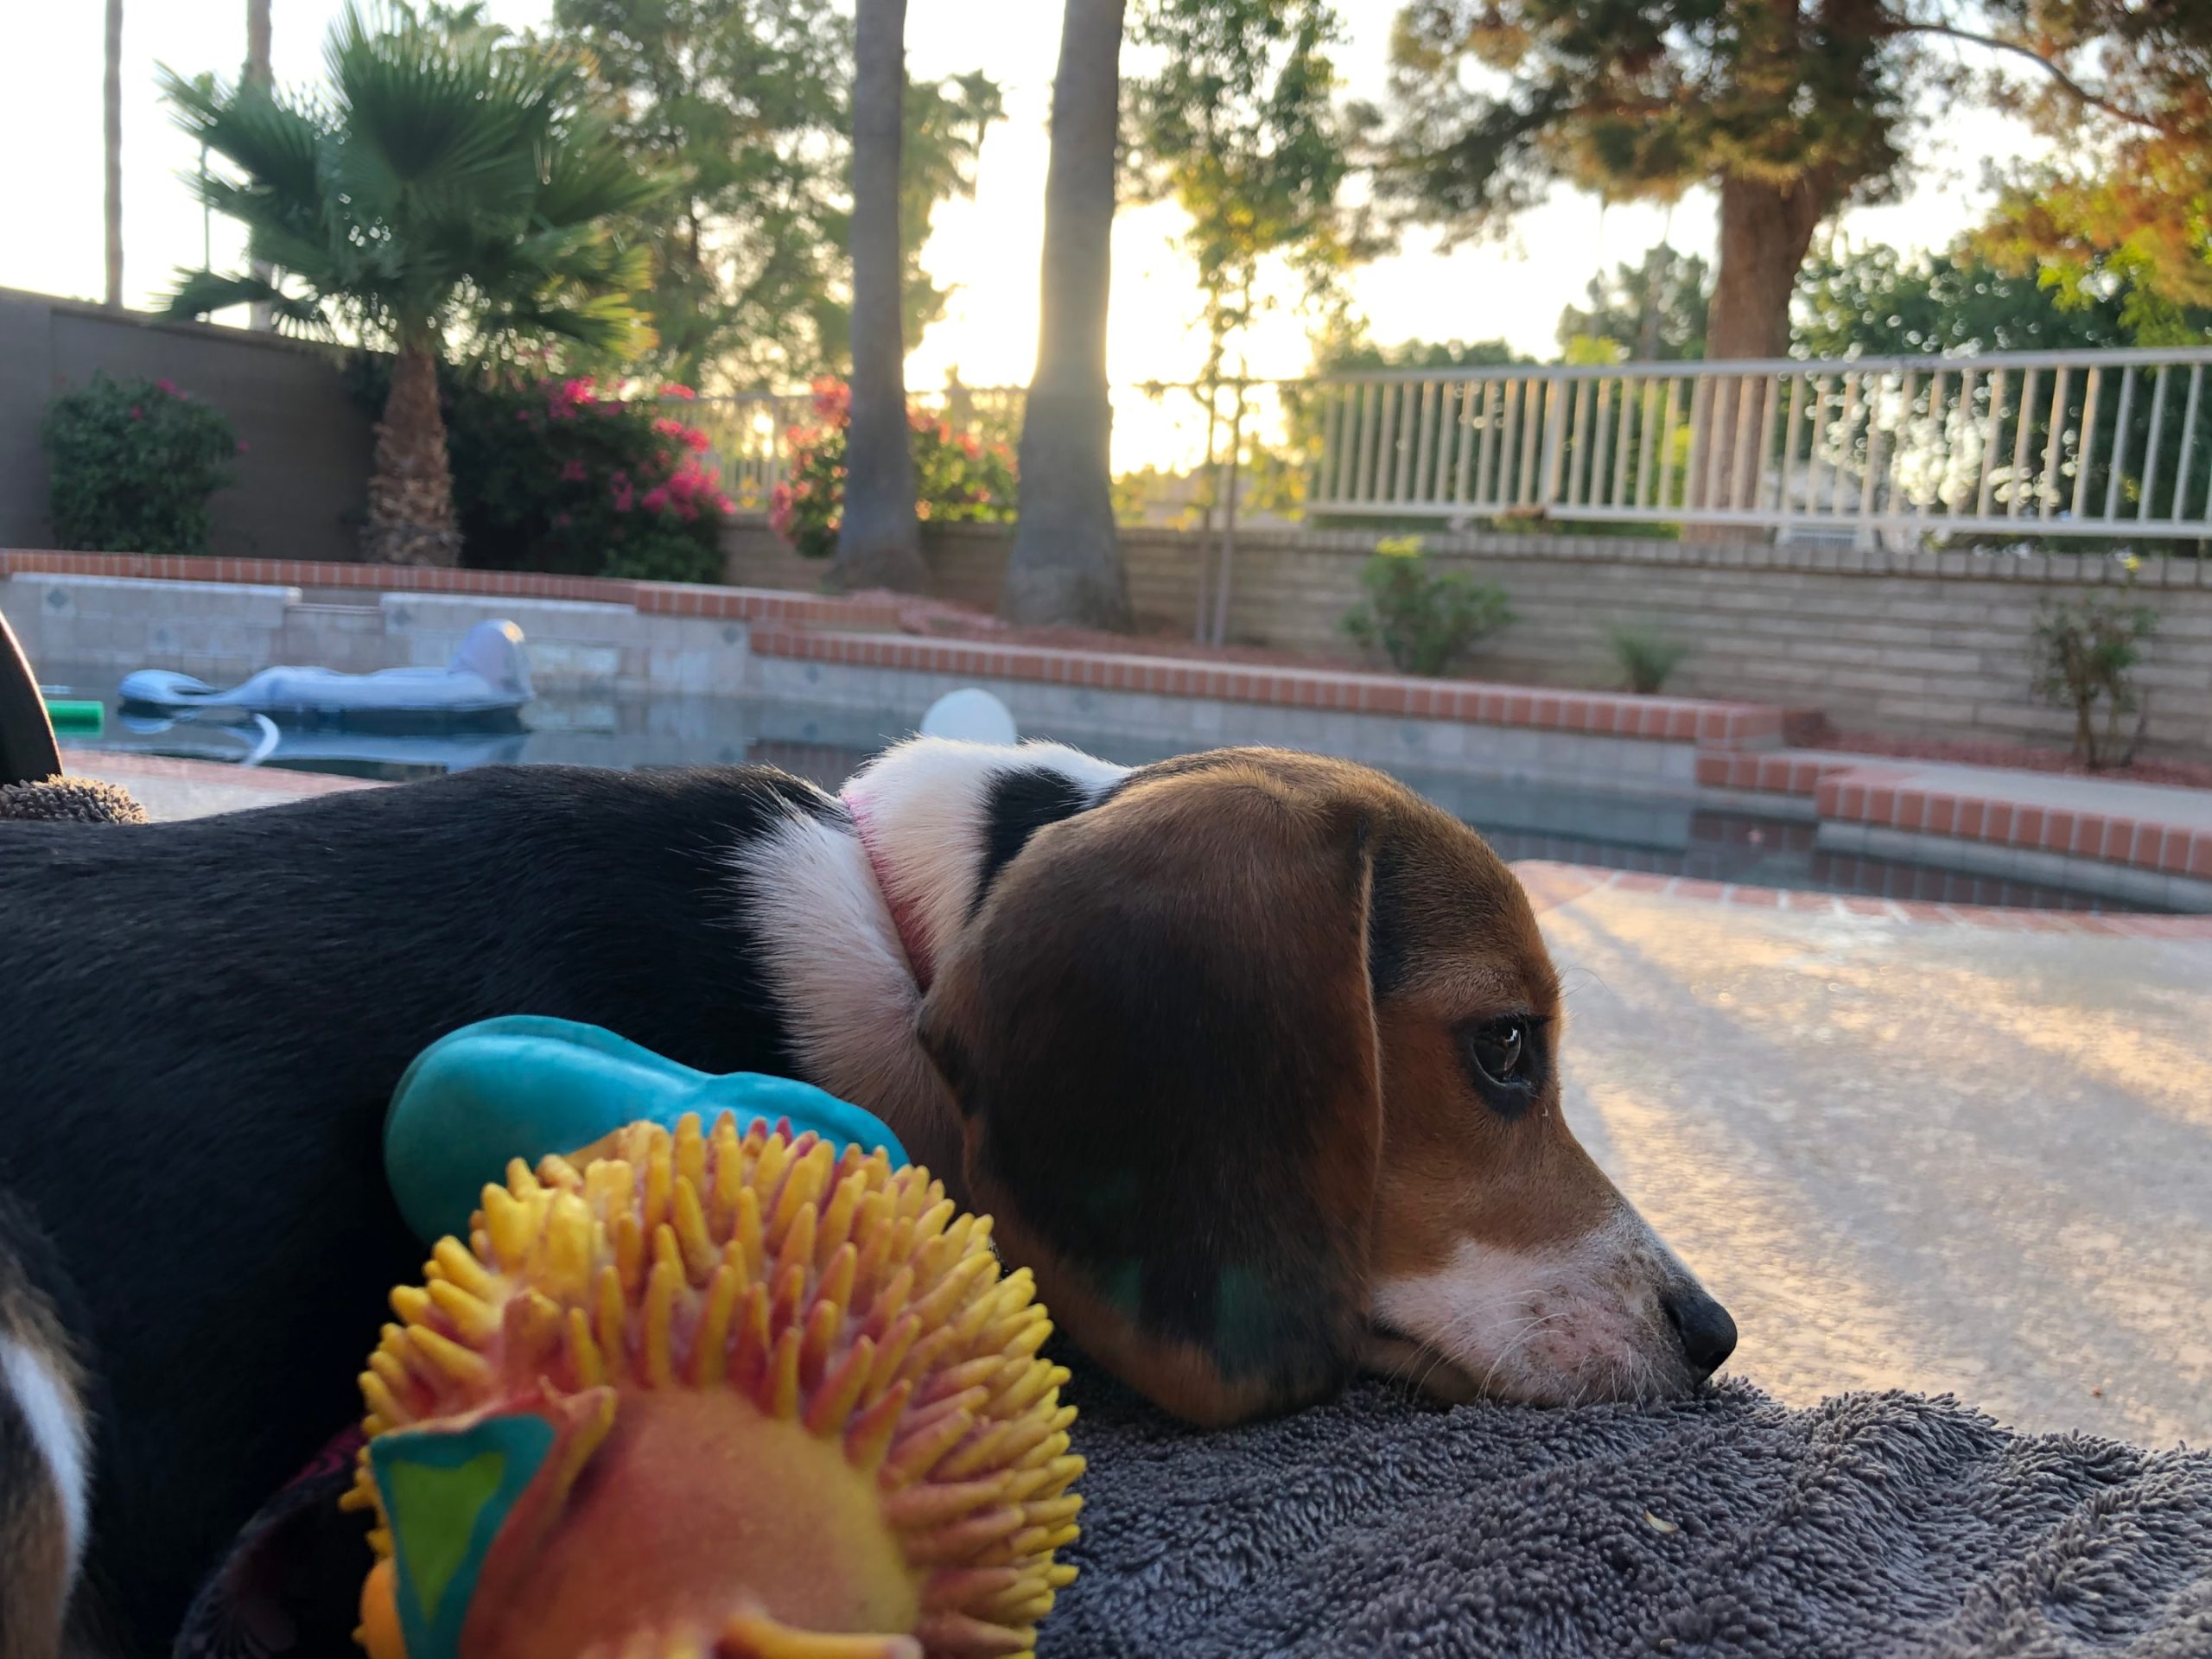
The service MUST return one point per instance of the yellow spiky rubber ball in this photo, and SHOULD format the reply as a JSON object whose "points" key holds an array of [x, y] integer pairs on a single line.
{"points": [[706, 1395]]}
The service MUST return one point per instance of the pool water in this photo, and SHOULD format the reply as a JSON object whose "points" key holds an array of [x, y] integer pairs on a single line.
{"points": [[1521, 820]]}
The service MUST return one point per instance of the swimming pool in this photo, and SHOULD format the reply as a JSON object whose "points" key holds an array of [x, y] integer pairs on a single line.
{"points": [[1521, 819]]}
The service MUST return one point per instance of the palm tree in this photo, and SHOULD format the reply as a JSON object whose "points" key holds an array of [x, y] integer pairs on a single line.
{"points": [[257, 75], [448, 193], [879, 542], [111, 102], [1066, 562]]}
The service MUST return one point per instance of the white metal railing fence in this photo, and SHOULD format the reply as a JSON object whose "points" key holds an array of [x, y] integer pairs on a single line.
{"points": [[2113, 443], [2096, 444]]}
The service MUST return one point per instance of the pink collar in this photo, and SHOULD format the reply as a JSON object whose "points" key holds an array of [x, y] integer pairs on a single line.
{"points": [[903, 920]]}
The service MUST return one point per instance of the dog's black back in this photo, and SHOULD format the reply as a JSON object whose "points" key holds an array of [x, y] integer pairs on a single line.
{"points": [[200, 1026]]}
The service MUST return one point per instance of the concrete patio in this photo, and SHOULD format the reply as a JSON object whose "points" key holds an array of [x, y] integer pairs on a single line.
{"points": [[1914, 1154]]}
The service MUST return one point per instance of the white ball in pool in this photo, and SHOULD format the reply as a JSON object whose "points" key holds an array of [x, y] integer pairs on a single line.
{"points": [[970, 714]]}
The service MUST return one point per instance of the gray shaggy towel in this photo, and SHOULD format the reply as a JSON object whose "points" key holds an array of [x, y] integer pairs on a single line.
{"points": [[1887, 1524]]}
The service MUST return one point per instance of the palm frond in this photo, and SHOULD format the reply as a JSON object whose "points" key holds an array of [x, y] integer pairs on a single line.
{"points": [[585, 175], [432, 115], [278, 145], [200, 293], [451, 185]]}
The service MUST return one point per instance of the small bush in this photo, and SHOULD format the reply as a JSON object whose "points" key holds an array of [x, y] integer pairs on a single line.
{"points": [[956, 478], [131, 465], [2086, 649], [1646, 659], [555, 475], [1424, 621]]}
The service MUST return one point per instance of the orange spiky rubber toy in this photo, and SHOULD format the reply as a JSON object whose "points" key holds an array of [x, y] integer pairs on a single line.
{"points": [[699, 1395]]}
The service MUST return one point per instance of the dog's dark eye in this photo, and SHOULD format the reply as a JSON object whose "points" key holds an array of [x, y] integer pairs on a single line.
{"points": [[1504, 1060], [1499, 1049]]}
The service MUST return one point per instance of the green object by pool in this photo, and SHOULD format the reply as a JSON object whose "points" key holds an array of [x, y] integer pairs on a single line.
{"points": [[77, 714]]}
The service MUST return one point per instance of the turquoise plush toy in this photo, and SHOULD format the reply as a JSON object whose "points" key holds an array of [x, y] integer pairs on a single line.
{"points": [[527, 1086]]}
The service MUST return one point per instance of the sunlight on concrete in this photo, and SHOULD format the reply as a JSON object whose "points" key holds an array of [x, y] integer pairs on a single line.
{"points": [[1944, 1157]]}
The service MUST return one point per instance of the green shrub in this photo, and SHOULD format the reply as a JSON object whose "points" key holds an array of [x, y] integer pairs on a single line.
{"points": [[956, 478], [1646, 659], [1424, 621], [2086, 649], [553, 475], [131, 465]]}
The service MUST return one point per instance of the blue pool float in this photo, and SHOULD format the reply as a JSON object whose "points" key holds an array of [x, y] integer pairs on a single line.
{"points": [[527, 1085], [489, 675]]}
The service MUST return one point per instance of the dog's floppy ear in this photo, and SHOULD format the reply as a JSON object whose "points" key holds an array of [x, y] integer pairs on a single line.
{"points": [[1160, 1031]]}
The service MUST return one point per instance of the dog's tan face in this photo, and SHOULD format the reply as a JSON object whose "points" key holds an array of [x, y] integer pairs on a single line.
{"points": [[1257, 1068]]}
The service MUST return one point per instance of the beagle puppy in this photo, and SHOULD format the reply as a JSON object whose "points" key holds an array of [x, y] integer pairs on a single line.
{"points": [[1254, 1056]]}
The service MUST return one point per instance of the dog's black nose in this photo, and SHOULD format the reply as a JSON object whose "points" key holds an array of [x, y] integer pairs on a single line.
{"points": [[1701, 1326]]}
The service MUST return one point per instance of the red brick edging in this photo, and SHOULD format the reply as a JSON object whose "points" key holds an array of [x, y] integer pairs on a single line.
{"points": [[1854, 792], [655, 598], [1551, 885], [1724, 726]]}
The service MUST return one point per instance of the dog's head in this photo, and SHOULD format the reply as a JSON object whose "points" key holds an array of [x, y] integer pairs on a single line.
{"points": [[1256, 1057]]}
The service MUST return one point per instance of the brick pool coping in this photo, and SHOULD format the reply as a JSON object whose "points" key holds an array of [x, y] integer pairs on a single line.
{"points": [[1723, 726], [652, 598], [1549, 885], [2001, 809]]}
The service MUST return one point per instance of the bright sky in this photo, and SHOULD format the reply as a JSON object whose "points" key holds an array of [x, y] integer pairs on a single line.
{"points": [[50, 123]]}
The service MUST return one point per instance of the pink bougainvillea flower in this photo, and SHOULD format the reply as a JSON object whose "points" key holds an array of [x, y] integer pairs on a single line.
{"points": [[697, 438], [522, 415], [136, 413], [169, 387], [670, 389], [655, 499], [669, 429], [572, 471], [970, 445]]}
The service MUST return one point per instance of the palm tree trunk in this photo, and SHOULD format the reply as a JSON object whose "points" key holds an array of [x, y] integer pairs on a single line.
{"points": [[258, 74], [111, 93], [880, 540], [1066, 562], [410, 491]]}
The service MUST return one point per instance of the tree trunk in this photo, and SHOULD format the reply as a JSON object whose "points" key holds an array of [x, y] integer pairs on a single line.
{"points": [[1066, 562], [261, 319], [880, 540], [1765, 234], [411, 491], [111, 93]]}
